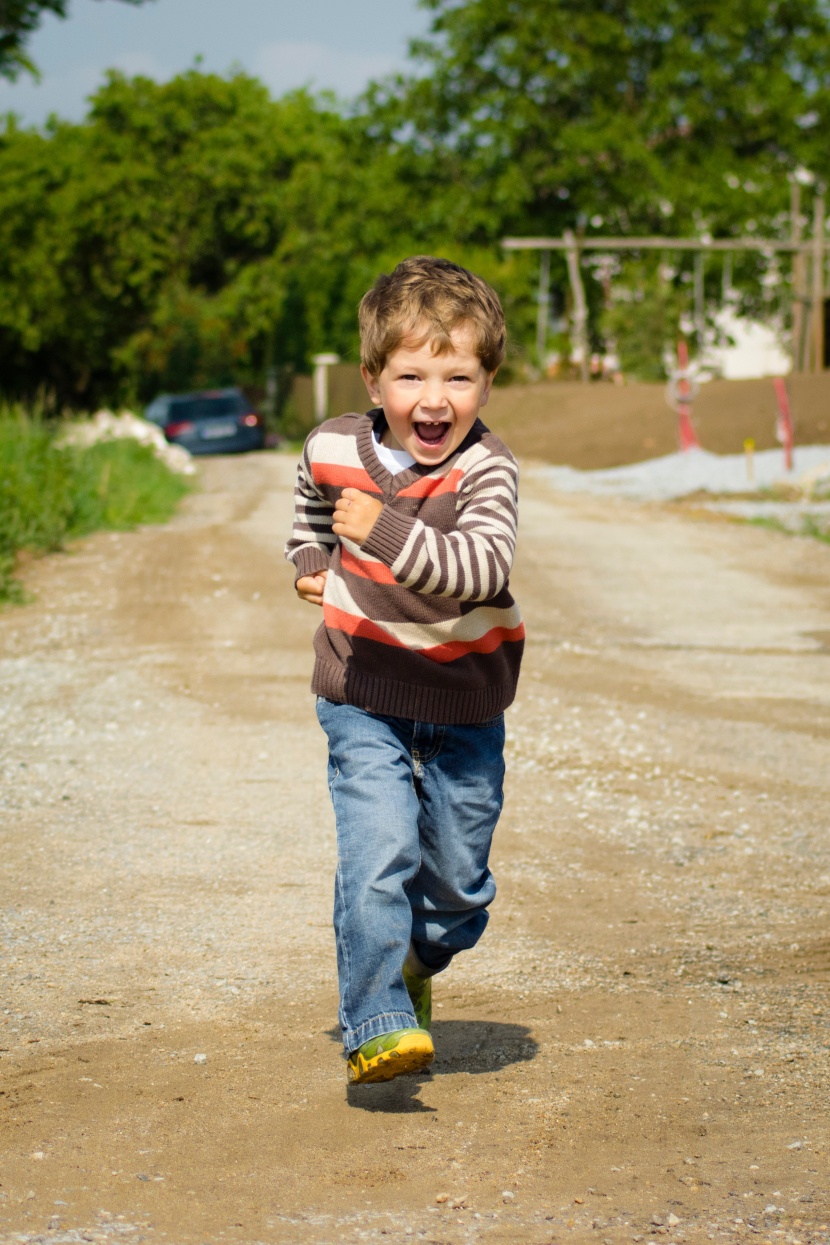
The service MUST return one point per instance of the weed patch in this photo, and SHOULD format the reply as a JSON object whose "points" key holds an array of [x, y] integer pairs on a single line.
{"points": [[809, 527], [51, 494]]}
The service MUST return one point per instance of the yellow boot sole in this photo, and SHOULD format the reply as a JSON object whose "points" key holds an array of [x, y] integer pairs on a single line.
{"points": [[412, 1052]]}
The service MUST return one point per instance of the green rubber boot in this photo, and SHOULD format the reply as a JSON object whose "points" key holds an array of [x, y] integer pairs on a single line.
{"points": [[390, 1055], [420, 994]]}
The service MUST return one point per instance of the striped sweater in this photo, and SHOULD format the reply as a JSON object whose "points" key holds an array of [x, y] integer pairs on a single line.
{"points": [[418, 622]]}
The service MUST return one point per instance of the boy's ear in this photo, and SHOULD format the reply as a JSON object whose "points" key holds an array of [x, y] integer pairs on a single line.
{"points": [[371, 383], [485, 397]]}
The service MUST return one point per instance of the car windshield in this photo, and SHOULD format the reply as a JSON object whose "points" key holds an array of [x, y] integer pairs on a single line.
{"points": [[205, 407]]}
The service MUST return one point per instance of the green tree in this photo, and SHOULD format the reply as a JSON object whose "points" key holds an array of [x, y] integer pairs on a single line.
{"points": [[18, 20], [186, 230], [651, 115], [161, 188], [196, 232]]}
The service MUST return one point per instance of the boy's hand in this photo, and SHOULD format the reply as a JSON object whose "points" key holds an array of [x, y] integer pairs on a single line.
{"points": [[355, 515], [310, 587]]}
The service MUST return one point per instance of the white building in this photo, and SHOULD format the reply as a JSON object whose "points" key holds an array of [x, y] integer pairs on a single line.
{"points": [[756, 350]]}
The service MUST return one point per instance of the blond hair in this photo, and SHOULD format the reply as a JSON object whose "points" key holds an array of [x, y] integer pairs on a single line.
{"points": [[426, 300]]}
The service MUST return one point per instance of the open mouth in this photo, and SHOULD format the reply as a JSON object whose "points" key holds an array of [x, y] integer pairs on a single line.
{"points": [[432, 433]]}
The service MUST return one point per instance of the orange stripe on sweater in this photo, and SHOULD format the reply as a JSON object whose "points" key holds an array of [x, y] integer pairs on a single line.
{"points": [[340, 620], [351, 624], [378, 572], [434, 486], [343, 477], [487, 643]]}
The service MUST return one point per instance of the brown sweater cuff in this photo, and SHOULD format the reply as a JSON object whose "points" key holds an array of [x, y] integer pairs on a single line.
{"points": [[389, 535], [309, 562]]}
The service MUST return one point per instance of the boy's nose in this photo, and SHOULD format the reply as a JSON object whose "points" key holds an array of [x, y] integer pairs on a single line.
{"points": [[434, 398]]}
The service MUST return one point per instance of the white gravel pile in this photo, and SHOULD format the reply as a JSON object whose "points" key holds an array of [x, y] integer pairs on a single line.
{"points": [[696, 471], [105, 426]]}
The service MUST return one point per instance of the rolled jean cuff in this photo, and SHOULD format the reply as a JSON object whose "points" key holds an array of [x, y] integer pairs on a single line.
{"points": [[388, 1022]]}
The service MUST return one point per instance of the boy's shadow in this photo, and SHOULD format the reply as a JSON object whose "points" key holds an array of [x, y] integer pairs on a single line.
{"points": [[471, 1046]]}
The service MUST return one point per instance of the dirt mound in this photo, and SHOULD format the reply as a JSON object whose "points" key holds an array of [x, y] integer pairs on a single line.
{"points": [[602, 425]]}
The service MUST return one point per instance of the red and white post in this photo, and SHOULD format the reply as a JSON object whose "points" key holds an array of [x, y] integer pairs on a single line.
{"points": [[684, 392], [784, 427]]}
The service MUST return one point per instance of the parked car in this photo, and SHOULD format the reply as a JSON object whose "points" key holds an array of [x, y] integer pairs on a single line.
{"points": [[215, 421]]}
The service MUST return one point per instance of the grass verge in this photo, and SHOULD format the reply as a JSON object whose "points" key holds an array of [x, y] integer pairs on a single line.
{"points": [[810, 527], [51, 494]]}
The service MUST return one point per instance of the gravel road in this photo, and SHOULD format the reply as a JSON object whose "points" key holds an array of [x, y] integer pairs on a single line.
{"points": [[637, 1051]]}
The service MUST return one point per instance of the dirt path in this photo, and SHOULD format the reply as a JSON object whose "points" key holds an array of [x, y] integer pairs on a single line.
{"points": [[639, 1050]]}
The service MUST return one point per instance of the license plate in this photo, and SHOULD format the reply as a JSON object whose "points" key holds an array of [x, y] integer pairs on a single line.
{"points": [[211, 432]]}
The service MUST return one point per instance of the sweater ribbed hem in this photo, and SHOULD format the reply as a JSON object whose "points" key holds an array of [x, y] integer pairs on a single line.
{"points": [[441, 705]]}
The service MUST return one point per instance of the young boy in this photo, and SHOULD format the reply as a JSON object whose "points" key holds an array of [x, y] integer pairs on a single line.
{"points": [[404, 533]]}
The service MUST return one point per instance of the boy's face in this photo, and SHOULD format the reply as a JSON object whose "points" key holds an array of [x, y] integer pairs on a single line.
{"points": [[431, 401]]}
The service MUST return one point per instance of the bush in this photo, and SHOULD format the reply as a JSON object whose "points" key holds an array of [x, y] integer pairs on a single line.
{"points": [[51, 494], [643, 322]]}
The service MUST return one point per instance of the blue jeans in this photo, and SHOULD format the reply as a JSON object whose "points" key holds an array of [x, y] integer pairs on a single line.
{"points": [[416, 806]]}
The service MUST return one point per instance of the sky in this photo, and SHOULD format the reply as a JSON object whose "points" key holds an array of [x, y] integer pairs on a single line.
{"points": [[334, 44]]}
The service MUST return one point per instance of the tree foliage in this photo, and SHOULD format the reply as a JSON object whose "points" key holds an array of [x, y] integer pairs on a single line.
{"points": [[198, 231], [656, 115], [169, 203], [620, 117], [641, 321]]}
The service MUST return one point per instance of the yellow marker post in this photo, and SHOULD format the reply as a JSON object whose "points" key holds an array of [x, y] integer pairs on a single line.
{"points": [[749, 450]]}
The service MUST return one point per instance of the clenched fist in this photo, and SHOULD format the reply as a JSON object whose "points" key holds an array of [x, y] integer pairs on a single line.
{"points": [[355, 515], [311, 587]]}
